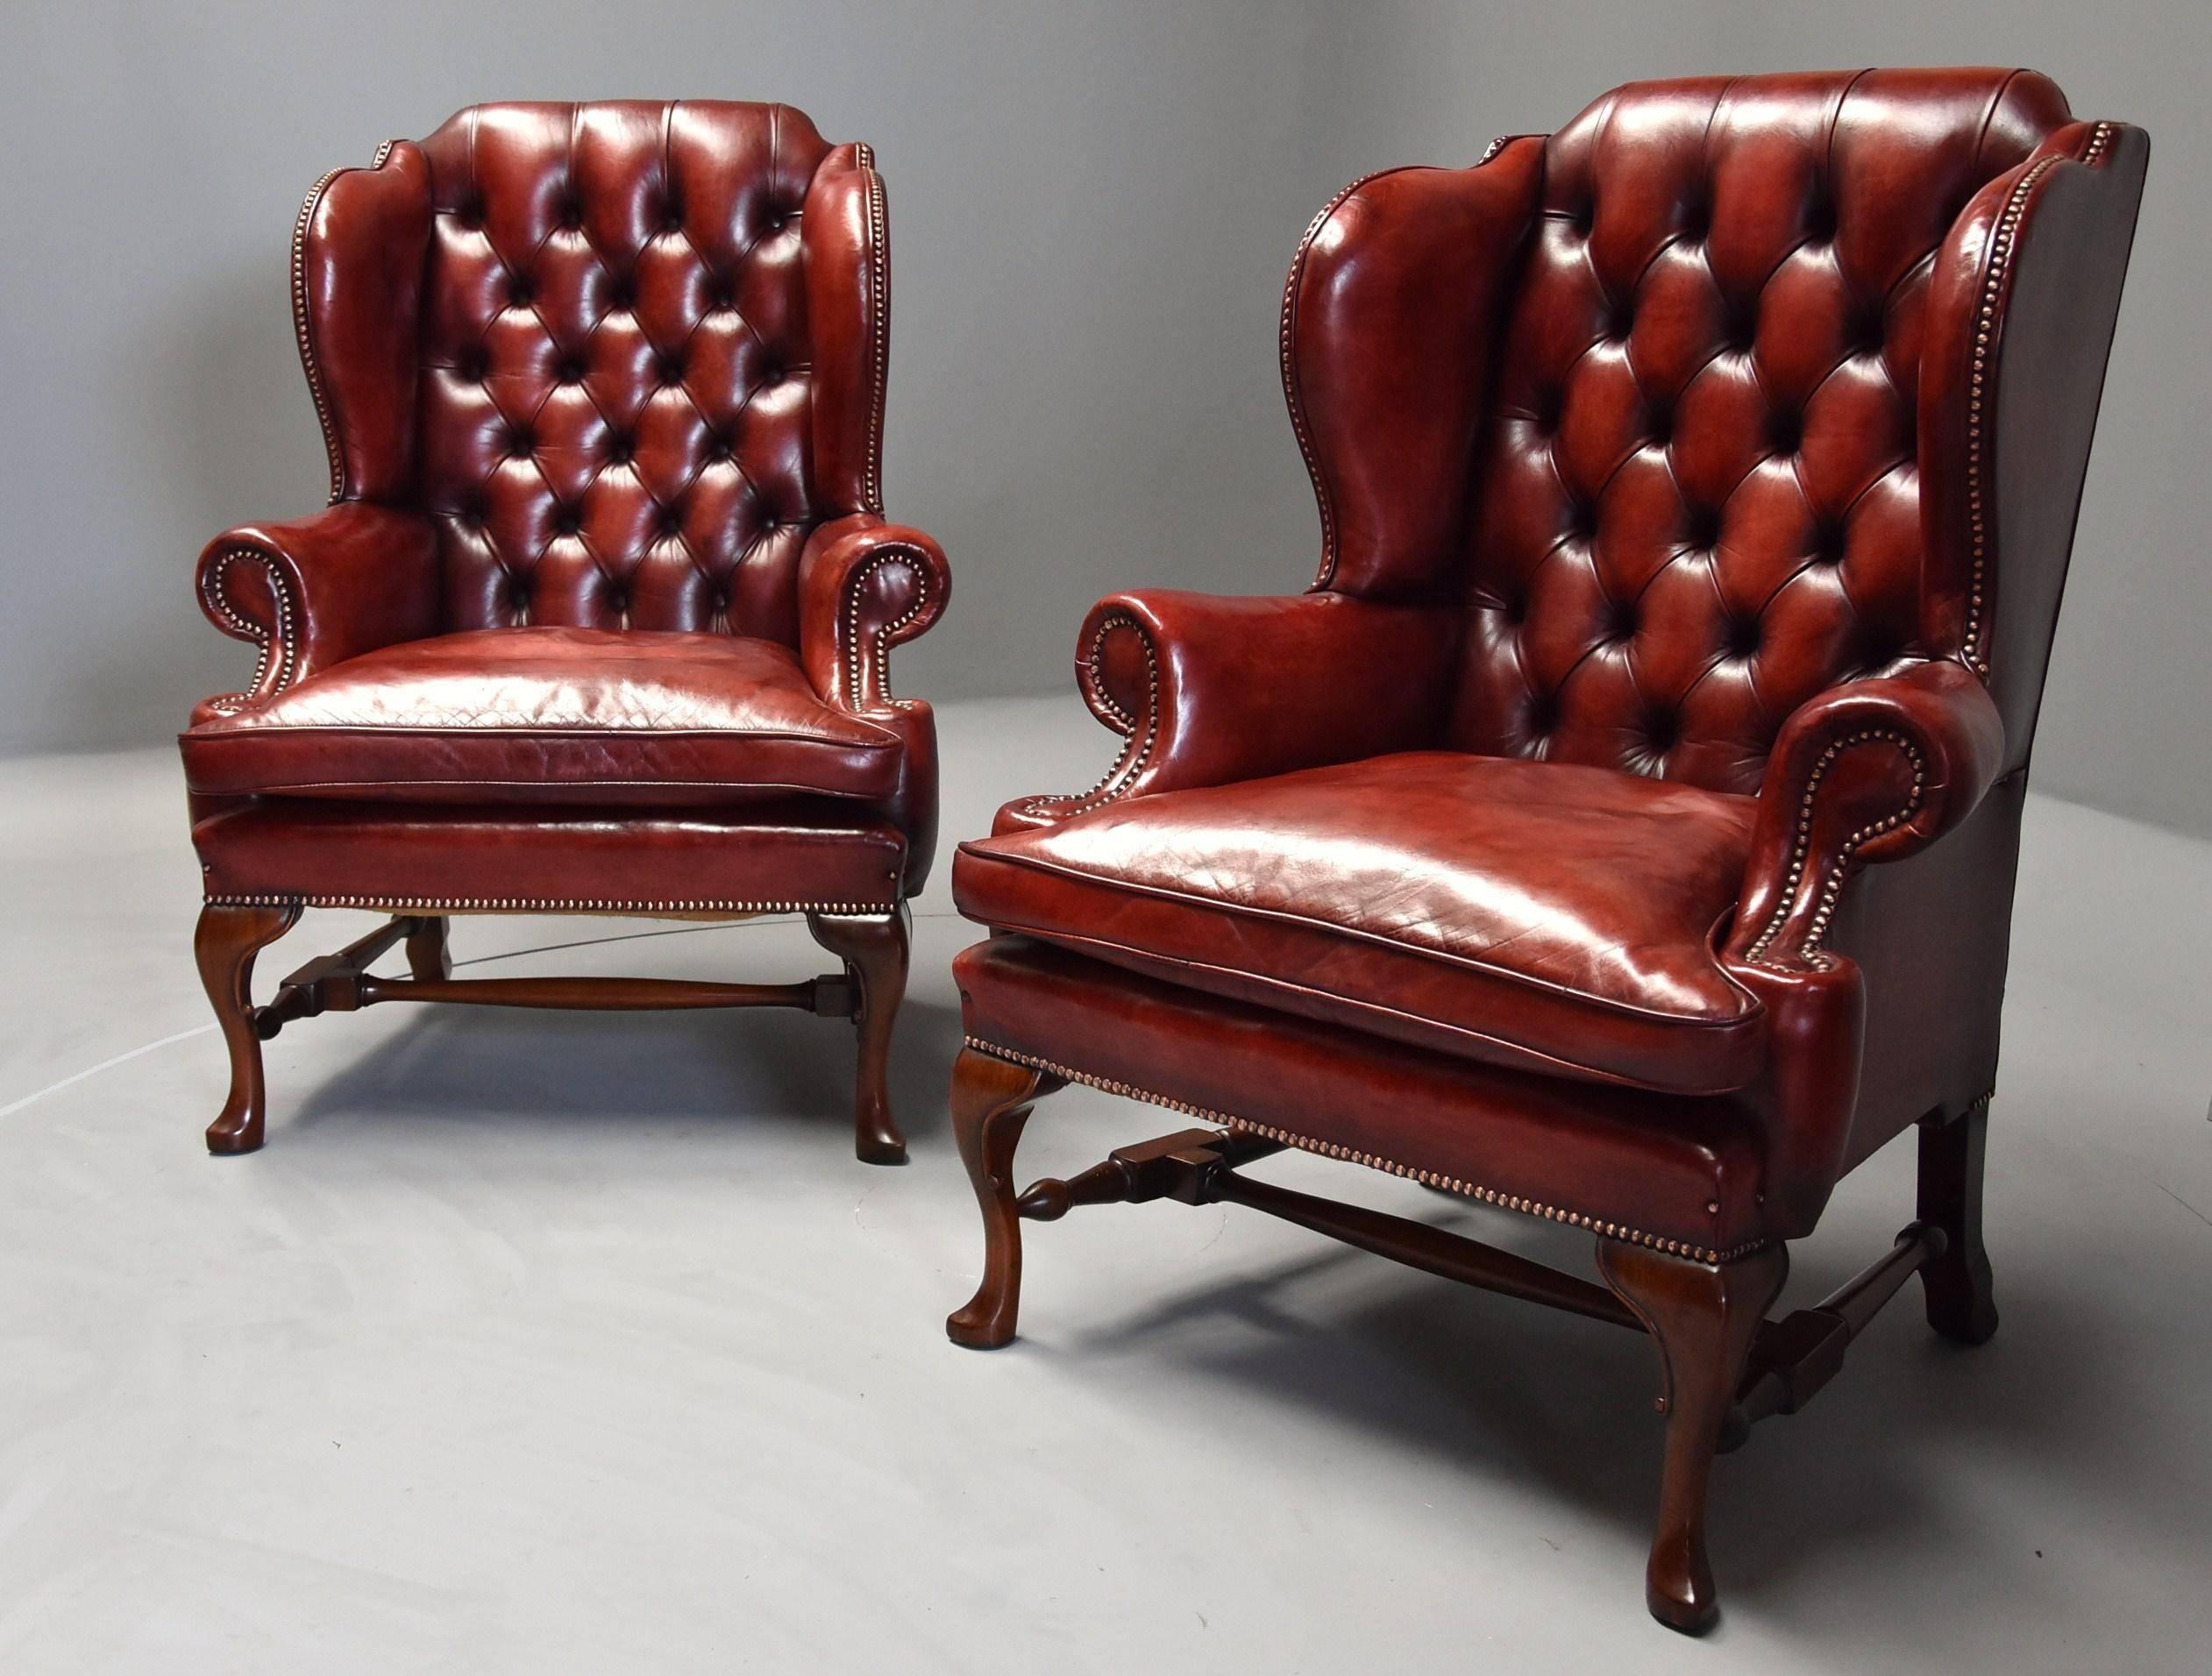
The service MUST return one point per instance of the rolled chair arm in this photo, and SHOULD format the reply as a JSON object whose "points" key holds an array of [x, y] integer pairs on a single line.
{"points": [[1870, 771], [315, 591], [865, 586], [1209, 689]]}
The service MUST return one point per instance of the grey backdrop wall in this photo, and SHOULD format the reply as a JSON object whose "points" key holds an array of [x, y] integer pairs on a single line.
{"points": [[1092, 207]]}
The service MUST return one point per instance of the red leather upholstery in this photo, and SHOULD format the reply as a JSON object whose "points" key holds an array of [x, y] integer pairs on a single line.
{"points": [[759, 859], [603, 387], [560, 715], [1665, 1169], [1552, 919], [1729, 438]]}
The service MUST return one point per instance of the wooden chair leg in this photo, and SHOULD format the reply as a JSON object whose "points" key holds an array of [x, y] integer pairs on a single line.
{"points": [[991, 1099], [1703, 1318], [874, 951], [427, 953], [1961, 1305], [225, 945]]}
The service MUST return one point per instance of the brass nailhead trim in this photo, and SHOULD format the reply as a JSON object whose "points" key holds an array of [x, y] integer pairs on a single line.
{"points": [[1138, 751], [281, 646], [1980, 379], [889, 634], [304, 333], [878, 327], [542, 905], [1286, 345], [1329, 1149], [1832, 891]]}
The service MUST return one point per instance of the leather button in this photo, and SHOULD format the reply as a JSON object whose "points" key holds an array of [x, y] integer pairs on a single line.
{"points": [[569, 372], [566, 522], [1828, 545], [1740, 636], [672, 520], [572, 214], [622, 294], [1701, 528], [473, 364], [771, 376], [520, 442], [1785, 431], [1620, 621], [1820, 220], [519, 293], [1663, 730], [671, 370], [618, 451], [671, 220]]}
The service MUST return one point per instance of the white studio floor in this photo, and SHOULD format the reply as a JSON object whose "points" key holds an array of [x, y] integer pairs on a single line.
{"points": [[565, 1342]]}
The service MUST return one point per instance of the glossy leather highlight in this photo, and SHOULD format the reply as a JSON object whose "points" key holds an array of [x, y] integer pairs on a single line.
{"points": [[1552, 919], [603, 387], [554, 715], [1728, 438]]}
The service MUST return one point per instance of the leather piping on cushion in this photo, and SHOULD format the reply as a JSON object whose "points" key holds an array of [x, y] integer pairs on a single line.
{"points": [[1742, 1053], [1330, 1149], [387, 730]]}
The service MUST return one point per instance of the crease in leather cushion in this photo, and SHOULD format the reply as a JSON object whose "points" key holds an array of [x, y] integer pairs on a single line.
{"points": [[1542, 916], [550, 715]]}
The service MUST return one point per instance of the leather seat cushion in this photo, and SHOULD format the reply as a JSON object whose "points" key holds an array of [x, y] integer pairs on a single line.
{"points": [[1542, 916], [550, 715]]}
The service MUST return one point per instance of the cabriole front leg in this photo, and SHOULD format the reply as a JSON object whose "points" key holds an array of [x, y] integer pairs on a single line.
{"points": [[991, 1099], [1704, 1316], [225, 945], [875, 951]]}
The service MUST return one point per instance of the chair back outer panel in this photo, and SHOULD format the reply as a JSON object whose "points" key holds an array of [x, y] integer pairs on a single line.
{"points": [[579, 336]]}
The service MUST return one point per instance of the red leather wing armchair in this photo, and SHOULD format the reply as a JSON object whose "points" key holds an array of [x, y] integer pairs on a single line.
{"points": [[1621, 829], [598, 617]]}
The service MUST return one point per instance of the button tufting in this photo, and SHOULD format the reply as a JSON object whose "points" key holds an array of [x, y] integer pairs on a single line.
{"points": [[622, 294], [618, 450], [1701, 529], [519, 293], [566, 522], [1740, 636], [520, 442], [570, 371], [1786, 432], [1828, 545]]}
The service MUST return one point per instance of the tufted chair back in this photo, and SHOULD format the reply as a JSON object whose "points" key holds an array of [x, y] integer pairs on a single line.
{"points": [[1713, 436], [636, 354]]}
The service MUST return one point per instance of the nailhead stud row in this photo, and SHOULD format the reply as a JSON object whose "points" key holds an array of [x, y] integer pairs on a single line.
{"points": [[544, 905], [1329, 1149], [1138, 751], [281, 646], [1979, 390], [1832, 891]]}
